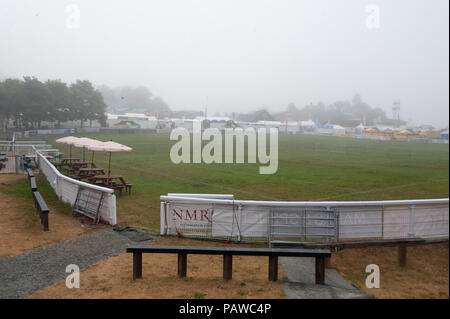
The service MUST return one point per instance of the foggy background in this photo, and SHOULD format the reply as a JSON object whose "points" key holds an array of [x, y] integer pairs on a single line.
{"points": [[237, 56]]}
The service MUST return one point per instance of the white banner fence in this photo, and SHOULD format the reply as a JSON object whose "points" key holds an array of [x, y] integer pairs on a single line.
{"points": [[223, 217], [66, 188]]}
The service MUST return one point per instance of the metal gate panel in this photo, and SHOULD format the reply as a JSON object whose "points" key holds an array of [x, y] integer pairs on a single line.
{"points": [[88, 203], [300, 225]]}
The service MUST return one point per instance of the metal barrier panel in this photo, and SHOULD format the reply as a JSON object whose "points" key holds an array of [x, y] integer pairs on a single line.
{"points": [[360, 222], [250, 220], [396, 223], [296, 225], [431, 221]]}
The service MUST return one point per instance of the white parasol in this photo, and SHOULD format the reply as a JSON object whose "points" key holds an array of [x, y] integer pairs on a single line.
{"points": [[109, 147], [70, 140], [85, 142]]}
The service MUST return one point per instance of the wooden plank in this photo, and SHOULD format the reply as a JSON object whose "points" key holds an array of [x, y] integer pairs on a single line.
{"points": [[365, 243], [298, 252], [30, 173], [43, 208], [33, 184]]}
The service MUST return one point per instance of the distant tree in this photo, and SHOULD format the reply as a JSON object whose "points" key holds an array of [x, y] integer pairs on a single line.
{"points": [[12, 102], [339, 112], [138, 99], [28, 102], [60, 98], [260, 115], [87, 103], [38, 103]]}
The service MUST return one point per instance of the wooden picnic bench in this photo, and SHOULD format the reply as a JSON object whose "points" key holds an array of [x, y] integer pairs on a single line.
{"points": [[42, 209], [88, 173], [272, 253], [108, 181]]}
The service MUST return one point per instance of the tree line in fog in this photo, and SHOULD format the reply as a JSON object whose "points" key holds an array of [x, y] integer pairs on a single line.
{"points": [[28, 102]]}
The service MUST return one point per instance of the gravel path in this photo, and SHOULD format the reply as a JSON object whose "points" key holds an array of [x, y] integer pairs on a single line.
{"points": [[300, 277], [21, 275]]}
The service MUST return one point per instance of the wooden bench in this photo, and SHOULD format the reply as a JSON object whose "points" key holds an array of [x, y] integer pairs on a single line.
{"points": [[272, 253], [30, 173], [128, 187], [400, 243], [42, 208]]}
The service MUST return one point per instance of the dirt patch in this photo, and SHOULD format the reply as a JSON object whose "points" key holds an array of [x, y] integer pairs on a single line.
{"points": [[113, 278], [426, 274], [20, 227]]}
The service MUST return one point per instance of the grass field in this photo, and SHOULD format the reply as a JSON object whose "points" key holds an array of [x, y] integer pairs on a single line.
{"points": [[309, 168]]}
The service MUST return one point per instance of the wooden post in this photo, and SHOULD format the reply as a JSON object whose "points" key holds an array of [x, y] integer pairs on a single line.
{"points": [[402, 254], [182, 264], [44, 221], [320, 271], [137, 265], [227, 266], [273, 267]]}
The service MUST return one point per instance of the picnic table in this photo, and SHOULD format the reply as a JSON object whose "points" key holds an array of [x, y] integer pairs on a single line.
{"points": [[88, 172], [66, 161], [75, 166], [80, 164], [115, 182]]}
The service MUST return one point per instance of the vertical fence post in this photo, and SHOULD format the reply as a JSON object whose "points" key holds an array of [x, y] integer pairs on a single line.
{"points": [[411, 221], [162, 218], [239, 221]]}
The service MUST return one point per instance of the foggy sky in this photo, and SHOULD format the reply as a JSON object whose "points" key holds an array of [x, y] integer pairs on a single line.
{"points": [[240, 55]]}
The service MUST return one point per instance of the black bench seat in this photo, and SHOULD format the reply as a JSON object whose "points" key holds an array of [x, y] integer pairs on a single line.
{"points": [[33, 184], [228, 252], [42, 208]]}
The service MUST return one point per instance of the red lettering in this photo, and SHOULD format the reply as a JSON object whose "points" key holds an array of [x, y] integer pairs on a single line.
{"points": [[175, 214], [204, 214], [189, 216]]}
